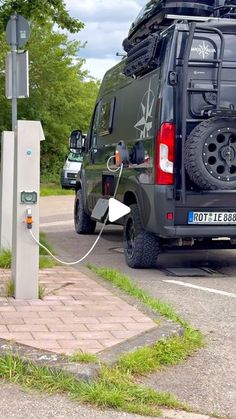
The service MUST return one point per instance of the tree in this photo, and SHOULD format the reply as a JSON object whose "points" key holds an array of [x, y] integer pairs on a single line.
{"points": [[39, 11], [61, 94]]}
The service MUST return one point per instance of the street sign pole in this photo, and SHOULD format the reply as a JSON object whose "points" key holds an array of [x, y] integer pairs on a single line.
{"points": [[14, 70]]}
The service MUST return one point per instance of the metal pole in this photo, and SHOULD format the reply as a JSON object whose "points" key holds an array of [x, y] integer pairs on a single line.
{"points": [[14, 71]]}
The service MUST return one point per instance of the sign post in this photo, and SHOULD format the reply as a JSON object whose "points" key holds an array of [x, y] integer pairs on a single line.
{"points": [[17, 34]]}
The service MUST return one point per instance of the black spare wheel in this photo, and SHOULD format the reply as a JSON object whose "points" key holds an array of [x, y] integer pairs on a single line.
{"points": [[210, 154], [141, 248]]}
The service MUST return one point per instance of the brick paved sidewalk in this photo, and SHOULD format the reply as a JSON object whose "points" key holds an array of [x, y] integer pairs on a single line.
{"points": [[76, 314]]}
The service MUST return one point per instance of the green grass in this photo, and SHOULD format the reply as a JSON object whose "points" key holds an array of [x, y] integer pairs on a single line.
{"points": [[112, 389], [52, 189], [124, 283], [83, 357], [42, 291], [165, 352], [10, 288], [43, 240], [44, 260], [5, 259]]}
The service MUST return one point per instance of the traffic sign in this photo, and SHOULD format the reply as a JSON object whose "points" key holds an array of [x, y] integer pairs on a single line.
{"points": [[21, 36]]}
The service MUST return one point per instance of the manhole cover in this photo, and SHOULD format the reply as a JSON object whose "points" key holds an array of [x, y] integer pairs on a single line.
{"points": [[190, 272]]}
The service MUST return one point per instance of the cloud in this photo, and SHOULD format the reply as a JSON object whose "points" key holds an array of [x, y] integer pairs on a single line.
{"points": [[107, 23], [97, 67], [103, 10]]}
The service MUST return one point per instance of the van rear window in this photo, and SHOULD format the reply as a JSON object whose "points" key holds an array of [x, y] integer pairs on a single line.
{"points": [[207, 46]]}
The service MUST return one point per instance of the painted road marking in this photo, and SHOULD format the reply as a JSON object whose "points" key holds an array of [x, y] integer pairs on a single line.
{"points": [[57, 223], [186, 284]]}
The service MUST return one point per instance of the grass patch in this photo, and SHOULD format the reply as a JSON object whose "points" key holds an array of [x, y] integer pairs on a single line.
{"points": [[124, 283], [83, 357], [165, 352], [10, 288], [44, 260], [5, 259], [42, 291], [52, 189], [112, 389], [44, 241]]}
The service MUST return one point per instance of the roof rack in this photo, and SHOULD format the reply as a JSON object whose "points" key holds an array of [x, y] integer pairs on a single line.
{"points": [[197, 18]]}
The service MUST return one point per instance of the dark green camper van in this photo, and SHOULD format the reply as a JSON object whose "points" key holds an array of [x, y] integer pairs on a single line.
{"points": [[171, 105]]}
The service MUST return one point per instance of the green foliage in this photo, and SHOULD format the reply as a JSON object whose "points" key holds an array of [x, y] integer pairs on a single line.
{"points": [[61, 94], [52, 189], [10, 288], [5, 259], [165, 352], [83, 357], [42, 291], [125, 284], [44, 260], [39, 11], [112, 389], [43, 240]]}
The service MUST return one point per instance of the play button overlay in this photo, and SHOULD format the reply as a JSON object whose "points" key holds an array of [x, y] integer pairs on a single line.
{"points": [[117, 210]]}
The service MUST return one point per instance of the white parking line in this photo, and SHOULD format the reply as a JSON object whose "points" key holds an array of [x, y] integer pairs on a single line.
{"points": [[57, 223], [186, 284]]}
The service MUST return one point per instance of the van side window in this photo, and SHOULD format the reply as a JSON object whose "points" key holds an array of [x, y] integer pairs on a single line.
{"points": [[94, 130], [106, 117]]}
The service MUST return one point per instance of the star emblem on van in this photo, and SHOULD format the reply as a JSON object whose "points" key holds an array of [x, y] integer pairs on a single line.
{"points": [[204, 50], [144, 124]]}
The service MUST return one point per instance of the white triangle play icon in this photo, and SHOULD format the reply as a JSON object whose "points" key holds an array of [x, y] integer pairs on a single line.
{"points": [[117, 210]]}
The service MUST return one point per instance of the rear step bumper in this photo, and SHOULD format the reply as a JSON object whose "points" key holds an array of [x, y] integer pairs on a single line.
{"points": [[198, 231]]}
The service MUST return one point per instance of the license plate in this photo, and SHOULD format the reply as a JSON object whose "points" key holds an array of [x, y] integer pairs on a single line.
{"points": [[211, 217], [72, 182]]}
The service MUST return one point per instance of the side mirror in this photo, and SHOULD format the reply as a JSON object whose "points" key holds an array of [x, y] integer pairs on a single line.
{"points": [[77, 141]]}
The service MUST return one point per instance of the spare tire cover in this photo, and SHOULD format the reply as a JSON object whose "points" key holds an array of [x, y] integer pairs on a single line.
{"points": [[210, 154]]}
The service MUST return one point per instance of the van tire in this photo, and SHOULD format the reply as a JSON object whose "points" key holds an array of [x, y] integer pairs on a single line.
{"points": [[82, 221], [141, 248], [209, 140]]}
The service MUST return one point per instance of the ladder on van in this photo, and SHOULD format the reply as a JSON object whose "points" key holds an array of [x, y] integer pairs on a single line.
{"points": [[217, 63]]}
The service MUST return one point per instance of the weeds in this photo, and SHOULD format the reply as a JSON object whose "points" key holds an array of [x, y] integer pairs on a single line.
{"points": [[83, 357], [112, 389]]}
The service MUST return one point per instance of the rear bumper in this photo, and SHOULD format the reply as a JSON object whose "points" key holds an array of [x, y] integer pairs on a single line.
{"points": [[198, 231]]}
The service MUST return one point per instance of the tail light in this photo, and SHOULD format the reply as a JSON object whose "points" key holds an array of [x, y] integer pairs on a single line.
{"points": [[165, 152]]}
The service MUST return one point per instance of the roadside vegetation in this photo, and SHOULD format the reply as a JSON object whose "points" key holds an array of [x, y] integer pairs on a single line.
{"points": [[52, 189], [116, 386], [165, 352], [62, 93], [44, 260], [112, 389]]}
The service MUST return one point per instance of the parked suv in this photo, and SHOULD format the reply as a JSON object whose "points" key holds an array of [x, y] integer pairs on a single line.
{"points": [[171, 104]]}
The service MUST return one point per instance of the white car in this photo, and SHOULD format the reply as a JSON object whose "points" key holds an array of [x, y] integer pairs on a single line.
{"points": [[70, 169]]}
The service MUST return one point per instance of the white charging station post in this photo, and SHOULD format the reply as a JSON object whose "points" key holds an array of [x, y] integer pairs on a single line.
{"points": [[25, 252], [6, 189]]}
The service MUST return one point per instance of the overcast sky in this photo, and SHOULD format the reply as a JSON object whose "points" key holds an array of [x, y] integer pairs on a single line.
{"points": [[106, 25]]}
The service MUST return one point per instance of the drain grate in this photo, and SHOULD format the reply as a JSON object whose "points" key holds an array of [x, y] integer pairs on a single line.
{"points": [[190, 272]]}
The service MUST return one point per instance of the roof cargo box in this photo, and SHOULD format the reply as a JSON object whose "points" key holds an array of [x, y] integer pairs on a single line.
{"points": [[157, 9]]}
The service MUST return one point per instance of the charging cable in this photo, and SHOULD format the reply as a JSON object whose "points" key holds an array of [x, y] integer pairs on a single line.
{"points": [[98, 237]]}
